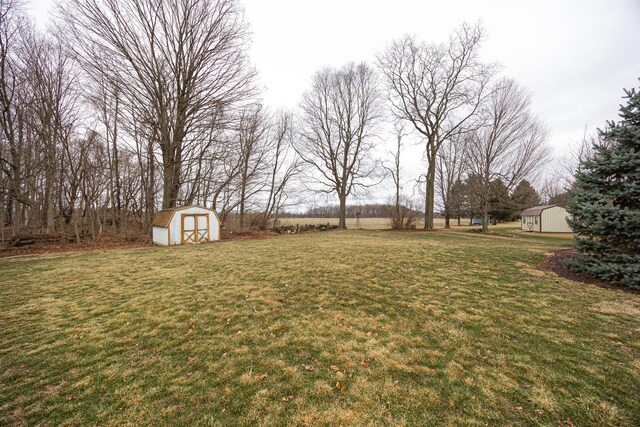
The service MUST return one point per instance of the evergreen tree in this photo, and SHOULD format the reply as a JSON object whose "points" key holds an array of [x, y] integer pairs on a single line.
{"points": [[524, 196], [457, 200], [499, 202], [605, 203], [561, 199], [474, 195]]}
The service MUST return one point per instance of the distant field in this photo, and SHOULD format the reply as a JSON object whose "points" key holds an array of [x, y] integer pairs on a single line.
{"points": [[337, 328], [383, 223], [365, 223]]}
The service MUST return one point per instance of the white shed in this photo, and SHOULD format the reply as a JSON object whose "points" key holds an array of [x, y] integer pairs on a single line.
{"points": [[186, 224], [546, 219]]}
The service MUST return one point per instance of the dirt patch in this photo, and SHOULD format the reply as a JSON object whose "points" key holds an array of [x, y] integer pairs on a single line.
{"points": [[246, 235], [554, 262], [47, 248], [110, 242], [415, 230]]}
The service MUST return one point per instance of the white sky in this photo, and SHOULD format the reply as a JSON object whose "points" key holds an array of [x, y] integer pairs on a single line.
{"points": [[574, 56]]}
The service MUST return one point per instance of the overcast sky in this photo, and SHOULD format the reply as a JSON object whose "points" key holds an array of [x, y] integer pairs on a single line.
{"points": [[574, 56]]}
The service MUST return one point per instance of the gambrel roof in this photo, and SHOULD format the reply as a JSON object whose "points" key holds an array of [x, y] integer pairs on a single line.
{"points": [[536, 210], [163, 218]]}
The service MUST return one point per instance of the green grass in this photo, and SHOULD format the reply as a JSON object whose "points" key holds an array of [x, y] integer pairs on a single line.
{"points": [[443, 328]]}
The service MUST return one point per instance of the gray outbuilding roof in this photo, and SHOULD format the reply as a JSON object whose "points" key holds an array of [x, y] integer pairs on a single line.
{"points": [[536, 210]]}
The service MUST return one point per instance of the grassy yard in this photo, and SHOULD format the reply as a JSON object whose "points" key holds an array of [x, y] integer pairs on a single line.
{"points": [[336, 328]]}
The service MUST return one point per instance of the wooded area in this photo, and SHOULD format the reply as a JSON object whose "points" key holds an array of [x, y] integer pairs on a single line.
{"points": [[143, 106]]}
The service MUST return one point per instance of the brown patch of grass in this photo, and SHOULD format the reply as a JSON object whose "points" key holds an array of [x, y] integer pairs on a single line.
{"points": [[629, 308]]}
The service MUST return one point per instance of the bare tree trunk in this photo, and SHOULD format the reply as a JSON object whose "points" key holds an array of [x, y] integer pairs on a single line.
{"points": [[150, 202], [430, 196], [50, 181], [242, 201], [485, 220], [2, 220], [342, 222], [426, 202]]}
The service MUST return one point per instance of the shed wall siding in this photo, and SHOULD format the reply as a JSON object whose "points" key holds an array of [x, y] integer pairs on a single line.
{"points": [[554, 220], [160, 236]]}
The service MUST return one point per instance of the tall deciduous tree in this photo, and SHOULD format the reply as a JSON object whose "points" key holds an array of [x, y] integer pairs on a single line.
{"points": [[284, 167], [605, 203], [338, 118], [176, 63], [254, 149], [437, 88]]}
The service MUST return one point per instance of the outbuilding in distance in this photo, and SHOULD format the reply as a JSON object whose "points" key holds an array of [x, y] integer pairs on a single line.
{"points": [[546, 219], [184, 225]]}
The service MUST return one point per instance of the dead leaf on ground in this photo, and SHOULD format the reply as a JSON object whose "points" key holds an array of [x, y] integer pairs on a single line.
{"points": [[286, 398], [309, 368], [334, 368], [364, 364], [260, 377], [340, 387]]}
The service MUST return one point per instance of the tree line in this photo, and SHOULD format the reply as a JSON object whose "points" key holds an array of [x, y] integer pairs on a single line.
{"points": [[121, 109]]}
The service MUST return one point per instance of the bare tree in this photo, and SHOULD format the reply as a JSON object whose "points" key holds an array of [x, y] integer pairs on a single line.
{"points": [[401, 210], [253, 142], [39, 110], [106, 101], [285, 167], [53, 106], [450, 167], [175, 63], [567, 165], [338, 118], [509, 146], [437, 88], [13, 150]]}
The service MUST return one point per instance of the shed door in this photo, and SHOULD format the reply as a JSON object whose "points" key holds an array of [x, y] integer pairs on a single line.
{"points": [[195, 228], [529, 223]]}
